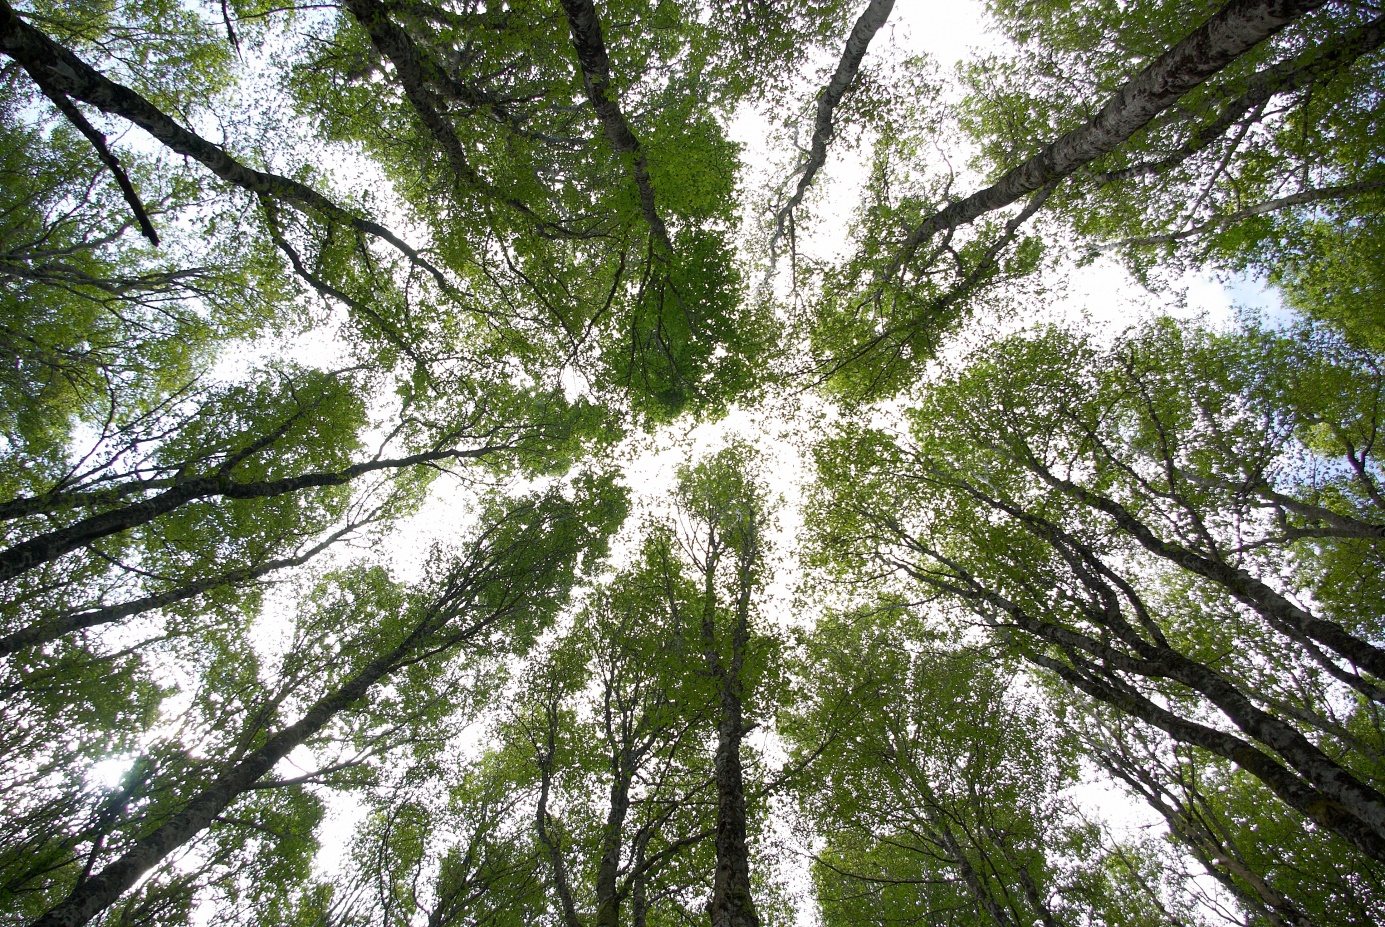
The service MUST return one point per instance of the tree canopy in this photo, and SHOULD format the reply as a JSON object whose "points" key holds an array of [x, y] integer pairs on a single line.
{"points": [[640, 462]]}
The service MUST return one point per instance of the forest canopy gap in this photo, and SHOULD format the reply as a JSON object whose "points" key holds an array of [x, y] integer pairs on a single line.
{"points": [[630, 463]]}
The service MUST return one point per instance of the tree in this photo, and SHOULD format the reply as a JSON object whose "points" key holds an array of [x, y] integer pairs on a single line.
{"points": [[1118, 155], [280, 282], [1093, 520], [626, 768], [940, 793], [724, 511], [478, 603], [1210, 809]]}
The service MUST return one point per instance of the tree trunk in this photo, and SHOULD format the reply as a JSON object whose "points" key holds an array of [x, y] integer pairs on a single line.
{"points": [[1288, 787], [608, 871], [595, 66], [1283, 77], [1233, 30], [732, 904], [1281, 613], [45, 548], [561, 882], [96, 894], [872, 18], [980, 893], [395, 44]]}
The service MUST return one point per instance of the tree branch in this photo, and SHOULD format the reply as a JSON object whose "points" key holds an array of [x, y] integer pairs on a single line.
{"points": [[1301, 198], [1233, 30], [869, 23], [596, 77], [108, 158], [54, 65], [1284, 77]]}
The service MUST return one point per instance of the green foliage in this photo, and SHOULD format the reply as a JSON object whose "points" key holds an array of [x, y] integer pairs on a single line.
{"points": [[939, 788], [412, 267], [1029, 470]]}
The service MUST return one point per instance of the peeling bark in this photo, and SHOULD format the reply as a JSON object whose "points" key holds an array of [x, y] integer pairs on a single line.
{"points": [[1284, 77]]}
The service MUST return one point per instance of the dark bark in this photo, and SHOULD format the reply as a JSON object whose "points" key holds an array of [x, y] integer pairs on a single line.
{"points": [[1284, 784], [939, 837], [561, 883], [69, 75], [1331, 797], [396, 45], [1193, 824], [732, 903], [1262, 494], [639, 903], [96, 894], [324, 289], [596, 77], [42, 633], [867, 25], [1162, 661], [55, 502], [457, 614], [987, 265], [416, 74], [1028, 885], [45, 548], [103, 151], [1279, 611], [1331, 779], [980, 892], [608, 895], [1233, 30]]}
